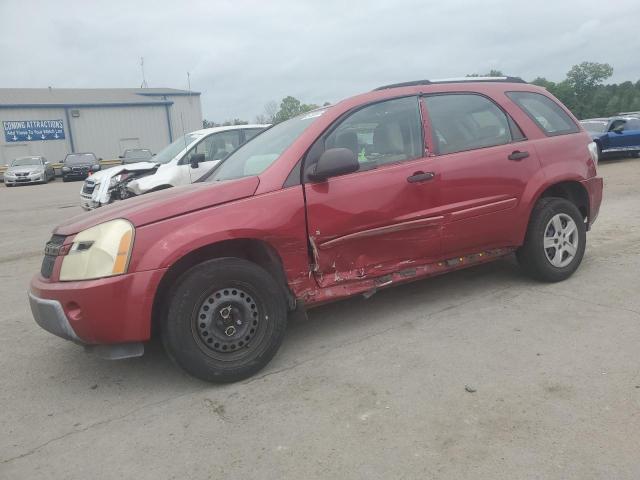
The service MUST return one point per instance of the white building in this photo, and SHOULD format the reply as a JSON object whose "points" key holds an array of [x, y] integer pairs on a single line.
{"points": [[55, 121]]}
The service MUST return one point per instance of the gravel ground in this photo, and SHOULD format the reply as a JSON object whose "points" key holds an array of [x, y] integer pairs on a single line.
{"points": [[479, 374]]}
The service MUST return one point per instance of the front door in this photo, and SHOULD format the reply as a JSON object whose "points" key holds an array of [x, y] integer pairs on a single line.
{"points": [[484, 163], [379, 219], [624, 135]]}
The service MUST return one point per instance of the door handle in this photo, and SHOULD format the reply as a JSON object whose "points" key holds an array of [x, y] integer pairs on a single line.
{"points": [[518, 155], [421, 177]]}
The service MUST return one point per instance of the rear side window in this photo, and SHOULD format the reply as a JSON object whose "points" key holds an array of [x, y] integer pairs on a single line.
{"points": [[546, 113], [633, 124], [462, 122]]}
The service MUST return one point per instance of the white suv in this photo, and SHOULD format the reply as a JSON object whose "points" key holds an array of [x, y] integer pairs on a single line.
{"points": [[182, 162]]}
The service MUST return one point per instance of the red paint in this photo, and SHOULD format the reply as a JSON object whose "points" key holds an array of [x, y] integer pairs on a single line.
{"points": [[354, 234]]}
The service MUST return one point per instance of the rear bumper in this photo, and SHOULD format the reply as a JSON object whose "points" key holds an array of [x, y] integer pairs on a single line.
{"points": [[594, 187]]}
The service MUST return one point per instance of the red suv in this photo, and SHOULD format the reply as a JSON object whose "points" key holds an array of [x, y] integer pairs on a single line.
{"points": [[404, 182]]}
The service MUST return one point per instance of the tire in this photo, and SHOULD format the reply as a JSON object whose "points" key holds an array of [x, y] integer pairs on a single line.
{"points": [[211, 346], [553, 264]]}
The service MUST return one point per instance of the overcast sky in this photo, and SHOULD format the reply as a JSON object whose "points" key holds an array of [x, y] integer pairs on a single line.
{"points": [[242, 54]]}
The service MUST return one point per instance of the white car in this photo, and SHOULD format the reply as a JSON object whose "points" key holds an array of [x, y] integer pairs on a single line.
{"points": [[182, 162]]}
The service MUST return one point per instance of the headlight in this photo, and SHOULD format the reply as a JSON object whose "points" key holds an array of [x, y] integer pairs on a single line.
{"points": [[65, 169], [118, 178], [95, 167], [100, 251]]}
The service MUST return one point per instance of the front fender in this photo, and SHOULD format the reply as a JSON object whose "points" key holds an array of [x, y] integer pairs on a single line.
{"points": [[276, 218]]}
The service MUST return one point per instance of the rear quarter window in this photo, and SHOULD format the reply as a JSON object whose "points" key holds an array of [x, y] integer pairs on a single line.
{"points": [[546, 113]]}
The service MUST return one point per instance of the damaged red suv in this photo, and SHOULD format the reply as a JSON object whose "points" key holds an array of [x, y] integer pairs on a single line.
{"points": [[404, 182]]}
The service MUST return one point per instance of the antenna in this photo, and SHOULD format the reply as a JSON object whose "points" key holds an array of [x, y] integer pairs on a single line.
{"points": [[189, 86], [144, 80]]}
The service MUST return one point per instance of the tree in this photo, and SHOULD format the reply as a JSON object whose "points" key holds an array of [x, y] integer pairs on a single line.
{"points": [[492, 73], [583, 80], [290, 107], [270, 110]]}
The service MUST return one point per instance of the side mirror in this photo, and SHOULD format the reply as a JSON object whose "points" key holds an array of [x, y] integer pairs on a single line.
{"points": [[195, 159], [120, 156], [334, 162], [100, 159]]}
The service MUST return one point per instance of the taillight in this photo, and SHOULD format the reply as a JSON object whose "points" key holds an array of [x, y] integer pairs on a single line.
{"points": [[593, 151]]}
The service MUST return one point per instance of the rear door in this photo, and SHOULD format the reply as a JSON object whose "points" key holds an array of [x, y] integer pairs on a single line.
{"points": [[484, 163], [379, 219]]}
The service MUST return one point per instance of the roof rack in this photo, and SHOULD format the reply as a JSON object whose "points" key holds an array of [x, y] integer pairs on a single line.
{"points": [[453, 80]]}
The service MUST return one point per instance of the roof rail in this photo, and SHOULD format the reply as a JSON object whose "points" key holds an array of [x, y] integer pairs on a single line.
{"points": [[453, 80]]}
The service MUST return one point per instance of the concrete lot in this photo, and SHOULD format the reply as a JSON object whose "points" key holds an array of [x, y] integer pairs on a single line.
{"points": [[364, 389]]}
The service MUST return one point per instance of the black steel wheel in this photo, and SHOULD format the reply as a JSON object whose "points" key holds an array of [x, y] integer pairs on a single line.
{"points": [[226, 320]]}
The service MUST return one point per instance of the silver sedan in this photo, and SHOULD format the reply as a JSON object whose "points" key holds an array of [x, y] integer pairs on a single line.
{"points": [[25, 170]]}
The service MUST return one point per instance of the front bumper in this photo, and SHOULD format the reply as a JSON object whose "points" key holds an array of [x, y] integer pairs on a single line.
{"points": [[87, 203], [106, 311], [24, 180], [50, 315]]}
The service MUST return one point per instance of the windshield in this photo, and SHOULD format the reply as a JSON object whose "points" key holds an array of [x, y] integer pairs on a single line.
{"points": [[137, 154], [596, 127], [81, 158], [21, 162], [256, 156], [169, 152]]}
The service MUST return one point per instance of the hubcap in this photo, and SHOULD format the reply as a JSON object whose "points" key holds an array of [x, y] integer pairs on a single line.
{"points": [[561, 240], [227, 320]]}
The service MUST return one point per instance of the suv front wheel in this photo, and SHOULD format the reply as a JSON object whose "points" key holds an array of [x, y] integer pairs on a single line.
{"points": [[226, 320], [555, 240]]}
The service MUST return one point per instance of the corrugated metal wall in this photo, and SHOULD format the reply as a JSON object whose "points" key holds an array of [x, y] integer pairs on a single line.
{"points": [[106, 131], [53, 150]]}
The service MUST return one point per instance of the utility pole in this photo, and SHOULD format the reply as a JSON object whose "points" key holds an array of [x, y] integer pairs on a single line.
{"points": [[144, 80]]}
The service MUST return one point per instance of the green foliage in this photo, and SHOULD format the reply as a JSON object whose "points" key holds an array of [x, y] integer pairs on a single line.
{"points": [[227, 123], [583, 91], [290, 107]]}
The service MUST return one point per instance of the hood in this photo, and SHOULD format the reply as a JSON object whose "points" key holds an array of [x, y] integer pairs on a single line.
{"points": [[156, 206], [24, 168], [130, 167]]}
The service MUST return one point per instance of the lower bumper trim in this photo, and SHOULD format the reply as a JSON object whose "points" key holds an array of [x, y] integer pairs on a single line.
{"points": [[50, 315], [117, 351]]}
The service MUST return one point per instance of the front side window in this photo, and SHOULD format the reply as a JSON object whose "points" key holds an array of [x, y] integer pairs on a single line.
{"points": [[462, 122], [170, 152], [618, 125], [216, 146], [546, 113], [385, 132]]}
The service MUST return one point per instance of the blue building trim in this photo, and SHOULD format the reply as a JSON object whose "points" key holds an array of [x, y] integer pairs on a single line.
{"points": [[169, 94], [86, 105], [66, 115]]}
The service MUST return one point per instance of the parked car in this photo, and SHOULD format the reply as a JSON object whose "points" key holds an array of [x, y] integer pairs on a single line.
{"points": [[25, 170], [615, 135], [134, 155], [182, 162], [78, 166], [405, 182]]}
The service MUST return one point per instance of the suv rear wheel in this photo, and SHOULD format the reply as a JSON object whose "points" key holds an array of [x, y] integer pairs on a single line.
{"points": [[226, 320], [555, 240]]}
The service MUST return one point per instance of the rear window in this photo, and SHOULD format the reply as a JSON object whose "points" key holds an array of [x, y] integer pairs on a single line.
{"points": [[546, 113]]}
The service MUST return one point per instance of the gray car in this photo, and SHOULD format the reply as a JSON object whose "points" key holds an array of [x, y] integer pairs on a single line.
{"points": [[25, 170]]}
